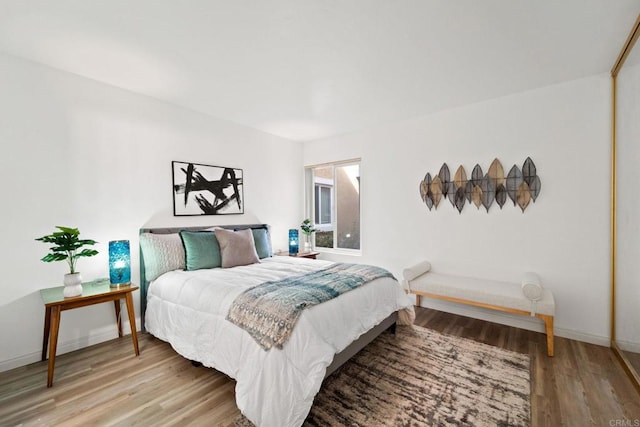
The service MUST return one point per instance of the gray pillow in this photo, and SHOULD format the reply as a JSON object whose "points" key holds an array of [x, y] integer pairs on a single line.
{"points": [[236, 247], [162, 253], [201, 250]]}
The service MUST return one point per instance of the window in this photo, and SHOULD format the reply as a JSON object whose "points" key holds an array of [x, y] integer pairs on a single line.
{"points": [[323, 198], [334, 204]]}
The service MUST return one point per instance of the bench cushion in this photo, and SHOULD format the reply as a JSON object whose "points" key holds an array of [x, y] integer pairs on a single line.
{"points": [[502, 294]]}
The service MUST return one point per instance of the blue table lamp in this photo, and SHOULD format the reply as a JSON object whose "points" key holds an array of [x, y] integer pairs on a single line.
{"points": [[293, 242], [119, 263]]}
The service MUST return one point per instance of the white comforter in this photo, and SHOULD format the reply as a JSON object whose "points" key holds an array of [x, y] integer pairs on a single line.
{"points": [[275, 387]]}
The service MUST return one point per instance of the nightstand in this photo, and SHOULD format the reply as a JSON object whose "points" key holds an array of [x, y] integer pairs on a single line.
{"points": [[92, 293], [310, 255]]}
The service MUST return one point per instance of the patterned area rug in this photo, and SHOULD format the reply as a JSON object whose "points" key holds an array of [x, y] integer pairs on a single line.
{"points": [[419, 377]]}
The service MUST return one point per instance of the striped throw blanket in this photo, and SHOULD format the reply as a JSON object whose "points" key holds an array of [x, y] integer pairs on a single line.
{"points": [[270, 311]]}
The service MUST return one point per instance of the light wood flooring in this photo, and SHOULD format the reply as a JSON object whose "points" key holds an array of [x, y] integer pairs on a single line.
{"points": [[106, 384]]}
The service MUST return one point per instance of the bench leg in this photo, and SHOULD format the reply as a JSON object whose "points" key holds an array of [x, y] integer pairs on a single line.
{"points": [[548, 326]]}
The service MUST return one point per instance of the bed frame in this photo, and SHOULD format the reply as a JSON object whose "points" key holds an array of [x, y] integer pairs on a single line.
{"points": [[338, 360]]}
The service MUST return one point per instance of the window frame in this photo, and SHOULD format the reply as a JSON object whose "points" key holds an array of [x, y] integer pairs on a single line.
{"points": [[310, 205], [318, 183]]}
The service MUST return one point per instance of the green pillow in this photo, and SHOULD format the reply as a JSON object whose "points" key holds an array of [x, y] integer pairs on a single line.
{"points": [[201, 250], [261, 239]]}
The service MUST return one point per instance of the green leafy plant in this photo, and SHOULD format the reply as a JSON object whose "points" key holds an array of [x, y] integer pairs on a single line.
{"points": [[66, 244], [307, 227]]}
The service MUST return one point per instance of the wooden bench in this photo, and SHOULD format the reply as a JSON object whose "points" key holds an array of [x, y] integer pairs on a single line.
{"points": [[502, 296]]}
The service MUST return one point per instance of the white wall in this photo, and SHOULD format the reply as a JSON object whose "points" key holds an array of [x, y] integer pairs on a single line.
{"points": [[563, 236], [628, 209], [82, 154]]}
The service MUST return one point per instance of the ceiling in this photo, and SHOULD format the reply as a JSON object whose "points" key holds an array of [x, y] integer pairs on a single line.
{"points": [[310, 69]]}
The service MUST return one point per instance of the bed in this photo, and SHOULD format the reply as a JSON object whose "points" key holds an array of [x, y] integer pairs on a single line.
{"points": [[274, 387]]}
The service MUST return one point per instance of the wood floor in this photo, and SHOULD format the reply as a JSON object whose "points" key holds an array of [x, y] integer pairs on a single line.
{"points": [[106, 384]]}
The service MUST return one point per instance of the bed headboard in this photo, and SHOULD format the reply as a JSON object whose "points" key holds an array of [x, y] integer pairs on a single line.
{"points": [[144, 283]]}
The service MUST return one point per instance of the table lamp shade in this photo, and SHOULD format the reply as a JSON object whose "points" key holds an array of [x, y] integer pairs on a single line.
{"points": [[119, 262], [293, 242]]}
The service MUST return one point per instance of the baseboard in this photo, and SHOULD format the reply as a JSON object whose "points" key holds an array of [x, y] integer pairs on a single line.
{"points": [[67, 346], [631, 347], [522, 322]]}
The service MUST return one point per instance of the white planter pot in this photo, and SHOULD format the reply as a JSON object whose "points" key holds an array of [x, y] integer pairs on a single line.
{"points": [[72, 285]]}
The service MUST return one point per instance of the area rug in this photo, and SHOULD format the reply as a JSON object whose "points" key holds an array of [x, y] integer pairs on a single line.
{"points": [[419, 377]]}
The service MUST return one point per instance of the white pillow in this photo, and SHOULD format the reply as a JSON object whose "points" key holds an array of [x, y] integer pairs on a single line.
{"points": [[162, 253]]}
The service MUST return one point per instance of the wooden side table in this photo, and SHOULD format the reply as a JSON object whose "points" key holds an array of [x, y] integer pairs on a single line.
{"points": [[311, 255], [92, 293]]}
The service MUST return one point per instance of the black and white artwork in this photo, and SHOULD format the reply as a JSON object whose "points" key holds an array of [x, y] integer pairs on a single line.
{"points": [[206, 190]]}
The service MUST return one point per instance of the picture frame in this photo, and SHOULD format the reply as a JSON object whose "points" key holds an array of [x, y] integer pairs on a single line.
{"points": [[200, 189]]}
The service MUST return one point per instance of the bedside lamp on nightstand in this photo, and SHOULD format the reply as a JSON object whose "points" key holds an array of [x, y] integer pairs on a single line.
{"points": [[293, 241], [119, 263]]}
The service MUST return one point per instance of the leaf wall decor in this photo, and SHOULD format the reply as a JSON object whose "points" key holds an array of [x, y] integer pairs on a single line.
{"points": [[460, 199], [445, 178], [488, 191], [528, 171], [460, 178], [476, 175], [501, 195], [468, 191], [476, 196], [496, 173], [429, 196], [524, 197], [429, 201], [520, 185], [514, 179], [534, 188], [436, 190], [451, 195]]}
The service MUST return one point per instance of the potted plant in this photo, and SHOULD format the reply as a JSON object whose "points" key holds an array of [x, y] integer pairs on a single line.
{"points": [[307, 229], [66, 246]]}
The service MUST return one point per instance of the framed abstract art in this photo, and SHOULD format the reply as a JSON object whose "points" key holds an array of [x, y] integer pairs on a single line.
{"points": [[206, 190]]}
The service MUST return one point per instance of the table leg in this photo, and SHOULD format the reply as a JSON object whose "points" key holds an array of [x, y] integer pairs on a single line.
{"points": [[53, 342], [116, 303], [45, 335], [132, 322]]}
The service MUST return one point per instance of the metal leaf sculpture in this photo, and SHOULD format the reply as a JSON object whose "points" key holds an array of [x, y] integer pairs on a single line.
{"points": [[468, 191], [451, 195], [436, 191], [477, 196], [488, 192], [445, 177], [501, 195], [534, 188], [476, 175], [496, 173], [460, 178], [459, 182], [429, 202], [524, 196], [425, 191], [528, 171], [460, 199], [514, 179], [429, 197], [520, 185]]}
